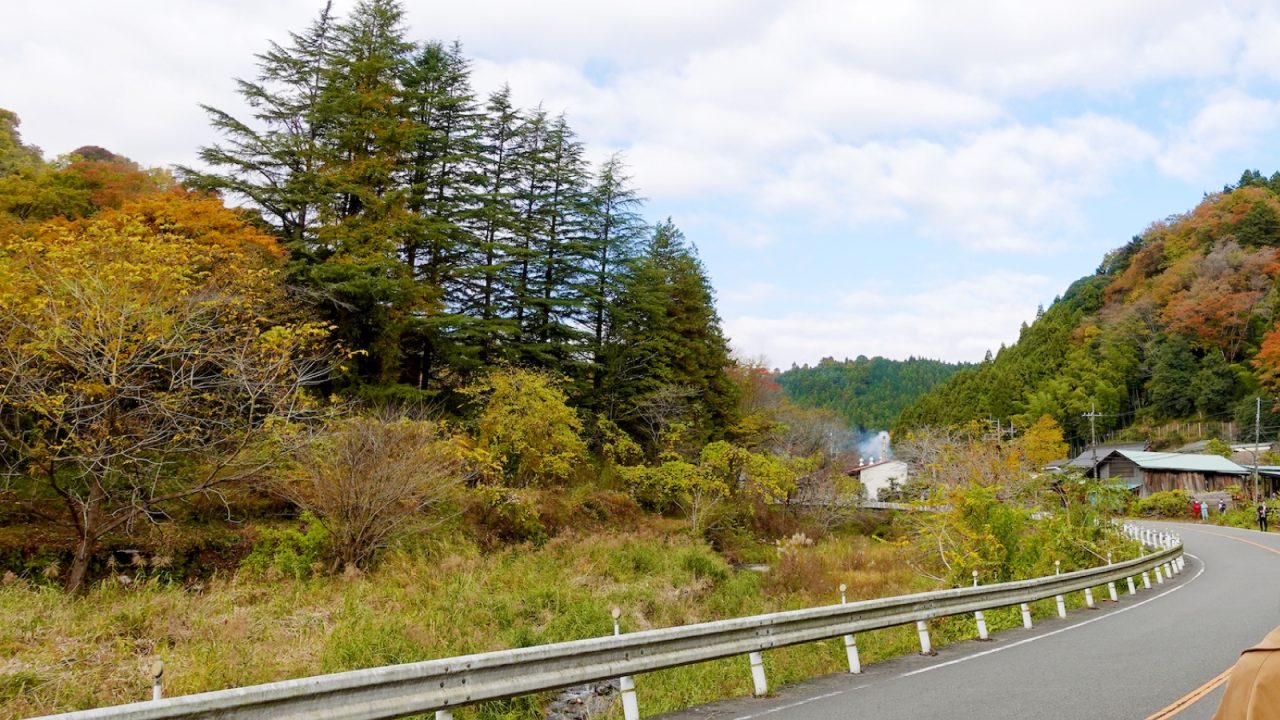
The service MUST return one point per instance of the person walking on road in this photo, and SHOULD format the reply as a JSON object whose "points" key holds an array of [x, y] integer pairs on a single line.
{"points": [[1204, 511], [1222, 506], [1195, 508], [1262, 517]]}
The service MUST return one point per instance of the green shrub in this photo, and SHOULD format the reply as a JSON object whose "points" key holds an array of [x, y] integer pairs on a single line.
{"points": [[525, 433], [505, 515], [18, 683], [700, 563], [1241, 517], [1170, 504], [296, 552]]}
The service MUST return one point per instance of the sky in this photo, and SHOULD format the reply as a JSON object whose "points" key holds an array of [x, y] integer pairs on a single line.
{"points": [[860, 178]]}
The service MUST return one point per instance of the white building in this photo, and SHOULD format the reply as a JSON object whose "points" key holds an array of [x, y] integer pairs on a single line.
{"points": [[876, 476]]}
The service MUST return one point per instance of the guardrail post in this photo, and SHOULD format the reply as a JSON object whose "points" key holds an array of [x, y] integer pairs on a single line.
{"points": [[1088, 598], [926, 647], [1111, 586], [1159, 576], [630, 707], [1026, 615], [157, 682], [1062, 606], [850, 643], [979, 616], [444, 715], [757, 674]]}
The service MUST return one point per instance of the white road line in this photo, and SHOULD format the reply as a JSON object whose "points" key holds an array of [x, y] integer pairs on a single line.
{"points": [[966, 658], [798, 703]]}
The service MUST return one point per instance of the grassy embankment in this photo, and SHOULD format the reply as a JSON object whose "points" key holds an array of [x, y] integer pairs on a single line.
{"points": [[62, 652]]}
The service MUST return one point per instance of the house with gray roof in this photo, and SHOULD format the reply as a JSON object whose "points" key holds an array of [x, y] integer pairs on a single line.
{"points": [[1151, 472], [1085, 461]]}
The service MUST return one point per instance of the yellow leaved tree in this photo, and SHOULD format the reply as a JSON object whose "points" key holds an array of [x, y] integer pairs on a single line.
{"points": [[142, 361]]}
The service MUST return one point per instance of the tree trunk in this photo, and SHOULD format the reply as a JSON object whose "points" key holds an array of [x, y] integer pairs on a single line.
{"points": [[88, 530], [80, 564]]}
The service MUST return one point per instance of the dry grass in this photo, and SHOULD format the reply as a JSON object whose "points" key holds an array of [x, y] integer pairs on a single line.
{"points": [[64, 653]]}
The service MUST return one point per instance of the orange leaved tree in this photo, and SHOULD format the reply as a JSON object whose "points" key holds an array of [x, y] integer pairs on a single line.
{"points": [[140, 363]]}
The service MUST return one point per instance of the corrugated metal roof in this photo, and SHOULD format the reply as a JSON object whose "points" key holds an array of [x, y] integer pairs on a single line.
{"points": [[1085, 459], [1183, 461]]}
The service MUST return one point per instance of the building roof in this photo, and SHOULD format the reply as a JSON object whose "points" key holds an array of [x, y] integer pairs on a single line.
{"points": [[859, 468], [1185, 462], [1085, 459]]}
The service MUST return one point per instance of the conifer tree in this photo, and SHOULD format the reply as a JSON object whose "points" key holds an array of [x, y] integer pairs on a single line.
{"points": [[274, 159], [613, 229], [368, 291], [442, 192], [669, 349], [484, 292]]}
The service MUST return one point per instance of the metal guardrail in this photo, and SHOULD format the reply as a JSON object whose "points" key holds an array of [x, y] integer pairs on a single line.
{"points": [[399, 690]]}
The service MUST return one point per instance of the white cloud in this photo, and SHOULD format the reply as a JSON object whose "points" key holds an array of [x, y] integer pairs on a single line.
{"points": [[750, 294], [999, 189], [1229, 121], [958, 321]]}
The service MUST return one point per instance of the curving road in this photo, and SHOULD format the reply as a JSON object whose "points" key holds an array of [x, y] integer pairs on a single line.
{"points": [[1133, 659]]}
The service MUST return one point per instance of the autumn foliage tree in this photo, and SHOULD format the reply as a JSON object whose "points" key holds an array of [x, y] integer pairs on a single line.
{"points": [[140, 363]]}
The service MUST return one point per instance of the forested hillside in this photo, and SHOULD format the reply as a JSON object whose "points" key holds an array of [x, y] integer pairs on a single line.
{"points": [[868, 393], [1179, 323]]}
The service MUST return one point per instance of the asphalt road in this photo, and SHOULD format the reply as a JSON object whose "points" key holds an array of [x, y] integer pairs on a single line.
{"points": [[1130, 659]]}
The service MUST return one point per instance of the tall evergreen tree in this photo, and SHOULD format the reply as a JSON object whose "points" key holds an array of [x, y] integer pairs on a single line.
{"points": [[669, 349], [485, 291], [548, 256], [442, 191], [532, 177], [613, 229], [368, 290], [273, 161]]}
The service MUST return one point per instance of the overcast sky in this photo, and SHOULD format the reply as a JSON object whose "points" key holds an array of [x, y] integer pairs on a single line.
{"points": [[878, 178]]}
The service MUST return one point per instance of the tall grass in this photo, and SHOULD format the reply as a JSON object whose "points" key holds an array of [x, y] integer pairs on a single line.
{"points": [[63, 652], [60, 652]]}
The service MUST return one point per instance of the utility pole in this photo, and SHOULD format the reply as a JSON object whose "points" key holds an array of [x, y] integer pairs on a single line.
{"points": [[1257, 427], [1093, 435]]}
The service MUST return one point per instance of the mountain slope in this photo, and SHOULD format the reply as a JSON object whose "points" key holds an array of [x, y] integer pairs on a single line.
{"points": [[1180, 323], [867, 392]]}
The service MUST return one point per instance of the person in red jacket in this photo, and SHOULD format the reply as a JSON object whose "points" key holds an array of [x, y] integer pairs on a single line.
{"points": [[1195, 509]]}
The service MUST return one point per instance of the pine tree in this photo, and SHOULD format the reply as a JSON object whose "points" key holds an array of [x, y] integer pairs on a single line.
{"points": [[613, 229], [549, 258], [530, 166], [273, 161], [442, 192], [484, 291], [669, 355], [368, 290]]}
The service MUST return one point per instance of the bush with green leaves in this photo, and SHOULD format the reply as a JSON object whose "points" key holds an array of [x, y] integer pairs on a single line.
{"points": [[1005, 541], [297, 552], [506, 515], [525, 432], [1169, 504]]}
